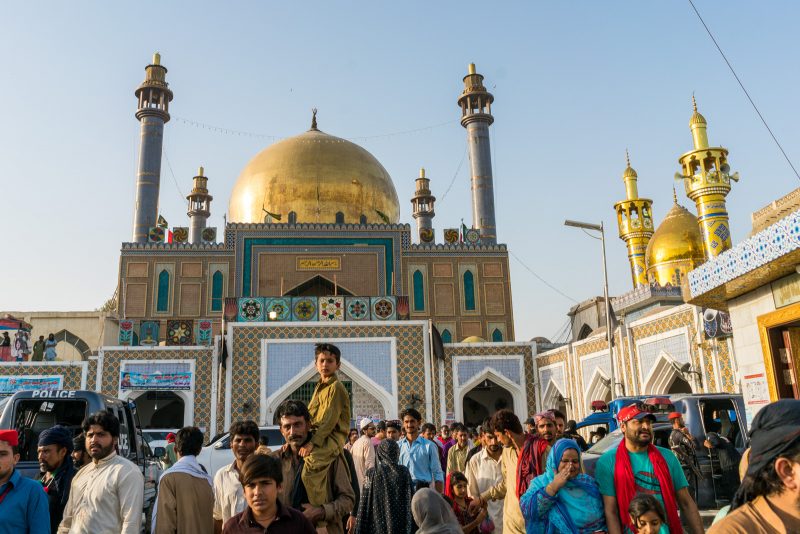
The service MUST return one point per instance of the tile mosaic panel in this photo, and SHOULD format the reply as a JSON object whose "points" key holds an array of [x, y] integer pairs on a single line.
{"points": [[203, 358], [251, 309], [125, 332], [469, 368], [403, 308], [676, 346], [71, 373], [280, 305], [767, 245], [204, 332], [149, 332], [331, 308], [245, 359], [304, 308], [357, 308], [554, 374], [588, 366], [180, 331], [384, 308], [285, 360]]}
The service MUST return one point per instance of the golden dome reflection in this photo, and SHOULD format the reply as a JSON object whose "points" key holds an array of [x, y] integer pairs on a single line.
{"points": [[315, 176], [675, 248]]}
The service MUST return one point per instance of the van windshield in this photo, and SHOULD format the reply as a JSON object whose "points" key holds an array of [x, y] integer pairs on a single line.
{"points": [[34, 415]]}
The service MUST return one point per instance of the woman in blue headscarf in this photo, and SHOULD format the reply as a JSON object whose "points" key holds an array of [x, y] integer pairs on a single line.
{"points": [[563, 500]]}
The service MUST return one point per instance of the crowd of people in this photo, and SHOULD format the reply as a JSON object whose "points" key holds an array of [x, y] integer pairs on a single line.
{"points": [[399, 476], [19, 349]]}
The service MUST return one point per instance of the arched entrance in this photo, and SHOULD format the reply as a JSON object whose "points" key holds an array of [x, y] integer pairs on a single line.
{"points": [[160, 409], [679, 385], [483, 400]]}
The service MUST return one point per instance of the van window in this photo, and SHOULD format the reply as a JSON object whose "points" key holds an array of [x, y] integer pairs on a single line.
{"points": [[31, 416], [719, 415]]}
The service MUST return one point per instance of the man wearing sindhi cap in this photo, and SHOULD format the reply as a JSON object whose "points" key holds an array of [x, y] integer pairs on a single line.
{"points": [[23, 503]]}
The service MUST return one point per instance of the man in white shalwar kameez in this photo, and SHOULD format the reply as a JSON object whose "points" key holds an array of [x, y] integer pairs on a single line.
{"points": [[107, 494]]}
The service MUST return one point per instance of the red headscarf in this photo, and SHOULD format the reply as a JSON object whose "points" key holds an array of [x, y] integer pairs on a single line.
{"points": [[529, 464], [625, 487]]}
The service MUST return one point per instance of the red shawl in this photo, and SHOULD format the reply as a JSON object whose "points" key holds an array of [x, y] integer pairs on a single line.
{"points": [[529, 463], [625, 487]]}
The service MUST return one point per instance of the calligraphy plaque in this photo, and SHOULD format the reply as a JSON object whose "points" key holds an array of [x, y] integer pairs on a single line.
{"points": [[319, 264]]}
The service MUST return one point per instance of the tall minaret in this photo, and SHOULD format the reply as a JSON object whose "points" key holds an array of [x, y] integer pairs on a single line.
{"points": [[707, 178], [422, 207], [476, 116], [153, 112], [635, 222], [199, 207]]}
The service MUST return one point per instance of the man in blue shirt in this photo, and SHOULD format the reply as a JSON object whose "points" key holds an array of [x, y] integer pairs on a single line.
{"points": [[23, 503], [419, 455]]}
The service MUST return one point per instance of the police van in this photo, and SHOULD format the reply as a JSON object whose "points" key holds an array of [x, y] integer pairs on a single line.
{"points": [[31, 412]]}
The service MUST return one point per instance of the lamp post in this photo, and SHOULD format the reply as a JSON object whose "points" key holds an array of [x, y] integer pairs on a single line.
{"points": [[609, 333]]}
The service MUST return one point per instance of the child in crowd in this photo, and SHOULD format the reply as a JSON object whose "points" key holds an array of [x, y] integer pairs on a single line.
{"points": [[330, 422], [647, 514], [456, 491]]}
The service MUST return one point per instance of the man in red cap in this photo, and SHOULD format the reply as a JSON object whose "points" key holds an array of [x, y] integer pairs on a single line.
{"points": [[685, 448], [23, 503], [637, 466], [169, 455]]}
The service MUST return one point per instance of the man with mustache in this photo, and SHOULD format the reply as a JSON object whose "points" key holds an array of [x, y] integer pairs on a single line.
{"points": [[637, 466], [295, 425], [107, 494], [57, 470], [485, 470], [228, 492]]}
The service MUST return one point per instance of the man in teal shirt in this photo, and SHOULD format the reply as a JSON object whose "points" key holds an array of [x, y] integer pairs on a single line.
{"points": [[637, 427], [23, 503]]}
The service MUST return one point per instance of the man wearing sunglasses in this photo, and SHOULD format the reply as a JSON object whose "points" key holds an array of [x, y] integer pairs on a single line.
{"points": [[637, 466]]}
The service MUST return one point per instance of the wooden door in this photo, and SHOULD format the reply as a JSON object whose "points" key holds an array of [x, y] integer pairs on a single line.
{"points": [[788, 359]]}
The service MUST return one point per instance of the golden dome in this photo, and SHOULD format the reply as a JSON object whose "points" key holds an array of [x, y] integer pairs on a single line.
{"points": [[316, 176], [629, 173], [675, 248], [473, 339]]}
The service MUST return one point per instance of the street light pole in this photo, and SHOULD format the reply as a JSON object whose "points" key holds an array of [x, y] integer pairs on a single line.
{"points": [[609, 333]]}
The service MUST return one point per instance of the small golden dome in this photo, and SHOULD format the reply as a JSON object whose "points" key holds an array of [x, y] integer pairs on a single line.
{"points": [[316, 176], [675, 248], [473, 339], [629, 173], [696, 117]]}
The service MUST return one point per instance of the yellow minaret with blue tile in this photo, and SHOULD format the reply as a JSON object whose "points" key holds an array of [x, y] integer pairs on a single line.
{"points": [[635, 222], [707, 178]]}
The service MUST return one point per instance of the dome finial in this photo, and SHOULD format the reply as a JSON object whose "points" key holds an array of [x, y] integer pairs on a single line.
{"points": [[313, 118], [674, 195], [694, 102], [627, 158]]}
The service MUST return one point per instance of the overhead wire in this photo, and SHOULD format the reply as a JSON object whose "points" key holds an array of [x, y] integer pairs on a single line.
{"points": [[752, 103], [455, 175], [545, 282]]}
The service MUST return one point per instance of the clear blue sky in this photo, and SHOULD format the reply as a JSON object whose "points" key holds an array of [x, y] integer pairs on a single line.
{"points": [[575, 83]]}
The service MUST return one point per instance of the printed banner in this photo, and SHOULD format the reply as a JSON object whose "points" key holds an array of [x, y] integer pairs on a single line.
{"points": [[131, 380], [11, 384]]}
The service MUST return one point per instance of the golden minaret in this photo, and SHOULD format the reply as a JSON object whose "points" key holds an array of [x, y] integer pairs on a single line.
{"points": [[635, 222], [707, 178]]}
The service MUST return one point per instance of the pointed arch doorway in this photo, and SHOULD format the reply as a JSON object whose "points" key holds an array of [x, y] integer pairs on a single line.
{"points": [[483, 400]]}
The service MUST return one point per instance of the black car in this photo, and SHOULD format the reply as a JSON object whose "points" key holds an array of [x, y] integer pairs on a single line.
{"points": [[718, 413], [30, 412]]}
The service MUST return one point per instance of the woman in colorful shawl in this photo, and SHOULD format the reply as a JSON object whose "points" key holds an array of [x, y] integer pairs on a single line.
{"points": [[385, 504], [563, 500]]}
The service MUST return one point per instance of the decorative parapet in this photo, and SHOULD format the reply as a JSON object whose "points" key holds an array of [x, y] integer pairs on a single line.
{"points": [[456, 248], [171, 247], [646, 293], [775, 210], [769, 251]]}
